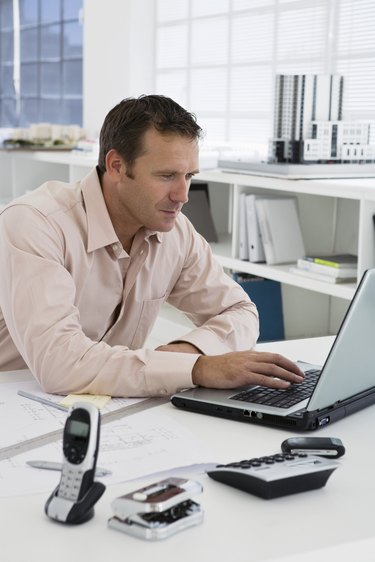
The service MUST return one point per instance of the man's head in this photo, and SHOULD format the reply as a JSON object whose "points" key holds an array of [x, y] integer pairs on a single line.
{"points": [[148, 156], [126, 124]]}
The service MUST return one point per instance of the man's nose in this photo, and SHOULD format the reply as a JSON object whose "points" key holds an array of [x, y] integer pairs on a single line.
{"points": [[181, 190]]}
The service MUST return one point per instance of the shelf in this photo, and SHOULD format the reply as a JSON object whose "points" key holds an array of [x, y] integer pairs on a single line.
{"points": [[69, 158], [222, 251], [282, 274], [348, 188]]}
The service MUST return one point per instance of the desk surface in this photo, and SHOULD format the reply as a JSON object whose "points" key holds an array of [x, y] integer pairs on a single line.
{"points": [[333, 523]]}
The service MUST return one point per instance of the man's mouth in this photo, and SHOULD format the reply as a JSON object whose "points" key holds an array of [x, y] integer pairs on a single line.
{"points": [[171, 211]]}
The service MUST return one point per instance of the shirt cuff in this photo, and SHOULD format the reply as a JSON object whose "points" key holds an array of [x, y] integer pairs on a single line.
{"points": [[169, 372]]}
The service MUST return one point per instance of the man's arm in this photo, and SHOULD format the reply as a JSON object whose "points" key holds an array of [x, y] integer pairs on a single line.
{"points": [[38, 303], [226, 330]]}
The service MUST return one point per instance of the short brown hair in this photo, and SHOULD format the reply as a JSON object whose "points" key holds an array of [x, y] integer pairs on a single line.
{"points": [[125, 125]]}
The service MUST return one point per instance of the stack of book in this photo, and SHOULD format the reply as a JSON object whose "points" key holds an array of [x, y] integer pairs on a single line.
{"points": [[337, 268]]}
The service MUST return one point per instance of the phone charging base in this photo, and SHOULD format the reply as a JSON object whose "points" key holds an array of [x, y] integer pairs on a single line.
{"points": [[74, 512]]}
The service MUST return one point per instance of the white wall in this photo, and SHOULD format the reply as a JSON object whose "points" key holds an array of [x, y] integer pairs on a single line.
{"points": [[118, 55]]}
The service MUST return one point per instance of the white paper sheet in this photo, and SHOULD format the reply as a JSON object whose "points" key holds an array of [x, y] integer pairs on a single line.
{"points": [[22, 419], [145, 443]]}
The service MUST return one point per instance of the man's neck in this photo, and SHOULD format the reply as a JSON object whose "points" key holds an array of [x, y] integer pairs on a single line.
{"points": [[127, 244], [120, 226]]}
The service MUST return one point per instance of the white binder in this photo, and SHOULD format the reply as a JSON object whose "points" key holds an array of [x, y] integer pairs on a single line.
{"points": [[280, 228], [255, 243], [243, 249]]}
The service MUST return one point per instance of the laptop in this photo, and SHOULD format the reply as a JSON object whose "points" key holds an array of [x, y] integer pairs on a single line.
{"points": [[344, 385]]}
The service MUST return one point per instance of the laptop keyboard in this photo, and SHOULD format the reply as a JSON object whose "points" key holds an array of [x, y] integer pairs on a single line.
{"points": [[281, 398]]}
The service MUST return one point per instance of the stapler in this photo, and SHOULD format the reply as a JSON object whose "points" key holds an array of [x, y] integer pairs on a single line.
{"points": [[159, 510]]}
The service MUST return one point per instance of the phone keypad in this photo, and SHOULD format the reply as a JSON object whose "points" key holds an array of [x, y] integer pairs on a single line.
{"points": [[70, 484]]}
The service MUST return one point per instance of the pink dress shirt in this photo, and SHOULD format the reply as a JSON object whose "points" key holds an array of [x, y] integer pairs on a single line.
{"points": [[76, 309]]}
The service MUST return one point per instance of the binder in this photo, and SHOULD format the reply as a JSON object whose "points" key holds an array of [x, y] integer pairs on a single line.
{"points": [[243, 249], [266, 294], [280, 228], [255, 243]]}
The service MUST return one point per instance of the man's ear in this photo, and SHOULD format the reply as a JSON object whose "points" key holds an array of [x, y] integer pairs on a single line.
{"points": [[115, 165]]}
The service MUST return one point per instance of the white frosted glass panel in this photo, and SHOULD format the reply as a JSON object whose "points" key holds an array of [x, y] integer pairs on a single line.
{"points": [[209, 7], [249, 130], [208, 90], [171, 46], [249, 4], [231, 85], [213, 127], [209, 41], [356, 27], [173, 85], [169, 10], [359, 85], [252, 37], [251, 89], [301, 67], [302, 33]]}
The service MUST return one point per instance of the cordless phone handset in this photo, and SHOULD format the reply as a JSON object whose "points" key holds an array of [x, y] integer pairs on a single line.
{"points": [[73, 499]]}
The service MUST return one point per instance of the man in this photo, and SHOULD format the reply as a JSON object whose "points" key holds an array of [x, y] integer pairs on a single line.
{"points": [[87, 266]]}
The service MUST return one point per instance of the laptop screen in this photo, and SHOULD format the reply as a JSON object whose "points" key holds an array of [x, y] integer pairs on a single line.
{"points": [[350, 365]]}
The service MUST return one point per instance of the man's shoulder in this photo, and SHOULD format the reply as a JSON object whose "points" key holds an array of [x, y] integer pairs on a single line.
{"points": [[53, 197]]}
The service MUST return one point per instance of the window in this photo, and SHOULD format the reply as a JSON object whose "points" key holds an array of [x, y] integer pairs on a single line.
{"points": [[219, 58], [40, 62]]}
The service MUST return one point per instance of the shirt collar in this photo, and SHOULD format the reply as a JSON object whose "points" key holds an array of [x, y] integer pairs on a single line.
{"points": [[100, 231]]}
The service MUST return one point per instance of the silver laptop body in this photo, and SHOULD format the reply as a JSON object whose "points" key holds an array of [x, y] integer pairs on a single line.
{"points": [[346, 383]]}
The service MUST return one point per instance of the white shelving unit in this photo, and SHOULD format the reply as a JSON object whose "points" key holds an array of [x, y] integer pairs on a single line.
{"points": [[336, 216]]}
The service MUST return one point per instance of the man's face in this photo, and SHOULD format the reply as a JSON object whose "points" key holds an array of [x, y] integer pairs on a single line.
{"points": [[160, 182]]}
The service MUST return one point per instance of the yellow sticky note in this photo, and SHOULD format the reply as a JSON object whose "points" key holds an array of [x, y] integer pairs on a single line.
{"points": [[98, 400]]}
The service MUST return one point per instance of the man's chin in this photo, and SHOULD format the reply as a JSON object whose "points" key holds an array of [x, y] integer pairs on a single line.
{"points": [[168, 227], [164, 227]]}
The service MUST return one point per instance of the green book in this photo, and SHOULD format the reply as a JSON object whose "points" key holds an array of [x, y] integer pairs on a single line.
{"points": [[334, 260]]}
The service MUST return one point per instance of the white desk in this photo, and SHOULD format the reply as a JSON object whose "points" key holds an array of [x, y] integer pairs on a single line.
{"points": [[333, 523]]}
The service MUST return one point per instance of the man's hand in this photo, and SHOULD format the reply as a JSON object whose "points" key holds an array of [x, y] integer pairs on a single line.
{"points": [[240, 368]]}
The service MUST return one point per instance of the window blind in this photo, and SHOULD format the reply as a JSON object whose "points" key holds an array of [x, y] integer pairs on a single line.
{"points": [[219, 58]]}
